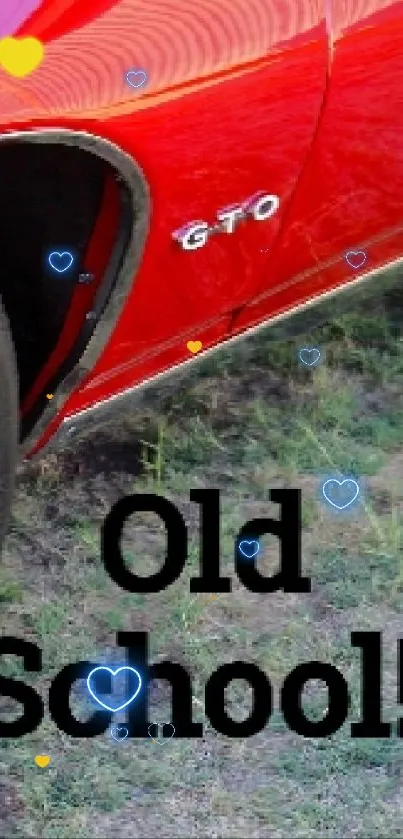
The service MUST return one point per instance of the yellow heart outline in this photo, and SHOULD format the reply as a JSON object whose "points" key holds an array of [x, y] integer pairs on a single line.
{"points": [[20, 56], [194, 346], [42, 760]]}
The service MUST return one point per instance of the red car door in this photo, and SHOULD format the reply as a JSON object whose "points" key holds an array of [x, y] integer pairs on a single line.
{"points": [[233, 98], [346, 218]]}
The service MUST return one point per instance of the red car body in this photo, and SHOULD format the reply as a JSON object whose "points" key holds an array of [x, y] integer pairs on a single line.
{"points": [[302, 99]]}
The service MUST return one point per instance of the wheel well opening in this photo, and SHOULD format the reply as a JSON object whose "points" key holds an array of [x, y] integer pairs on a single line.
{"points": [[51, 199]]}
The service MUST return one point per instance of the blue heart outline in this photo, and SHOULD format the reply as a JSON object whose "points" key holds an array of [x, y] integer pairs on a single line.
{"points": [[137, 72], [119, 739], [60, 254], [160, 740], [309, 350], [356, 253], [113, 673], [249, 542], [340, 483]]}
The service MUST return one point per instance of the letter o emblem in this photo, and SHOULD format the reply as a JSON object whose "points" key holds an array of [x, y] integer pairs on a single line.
{"points": [[264, 207]]}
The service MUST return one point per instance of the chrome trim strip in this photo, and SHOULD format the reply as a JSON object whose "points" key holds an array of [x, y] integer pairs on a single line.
{"points": [[327, 306], [124, 260]]}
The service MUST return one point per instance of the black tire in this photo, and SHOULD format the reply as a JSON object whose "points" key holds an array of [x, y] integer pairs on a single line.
{"points": [[9, 421]]}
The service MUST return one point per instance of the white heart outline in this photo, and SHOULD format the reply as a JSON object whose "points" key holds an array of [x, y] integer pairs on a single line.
{"points": [[114, 673], [249, 542], [160, 740], [119, 739], [137, 72], [340, 483], [356, 253], [309, 350], [60, 253]]}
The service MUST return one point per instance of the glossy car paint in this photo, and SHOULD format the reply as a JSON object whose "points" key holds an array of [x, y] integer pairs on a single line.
{"points": [[349, 197], [301, 98]]}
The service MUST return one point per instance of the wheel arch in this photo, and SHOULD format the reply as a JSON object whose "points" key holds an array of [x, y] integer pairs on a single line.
{"points": [[123, 262]]}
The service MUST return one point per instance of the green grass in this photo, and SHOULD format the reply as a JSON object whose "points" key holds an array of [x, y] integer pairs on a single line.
{"points": [[251, 419]]}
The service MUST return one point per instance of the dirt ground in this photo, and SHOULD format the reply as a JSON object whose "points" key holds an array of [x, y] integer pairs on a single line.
{"points": [[251, 420]]}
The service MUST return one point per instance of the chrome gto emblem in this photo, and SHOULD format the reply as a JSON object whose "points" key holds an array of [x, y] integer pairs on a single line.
{"points": [[196, 234]]}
